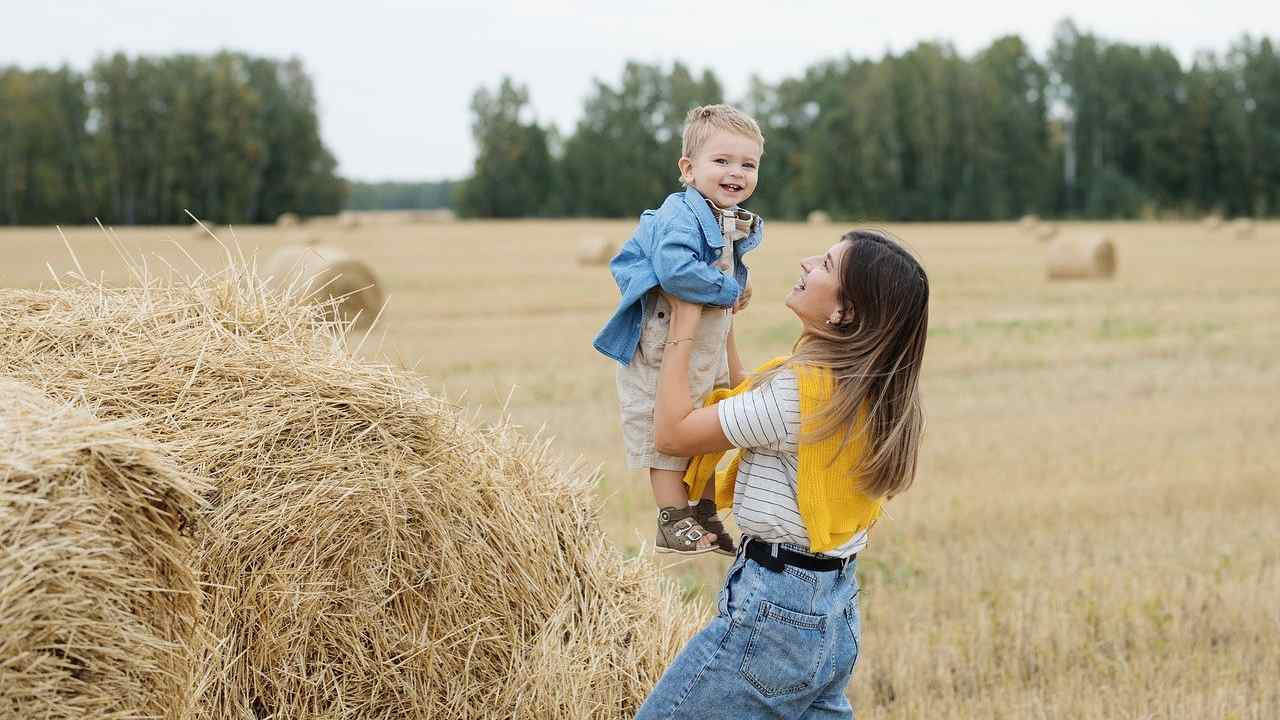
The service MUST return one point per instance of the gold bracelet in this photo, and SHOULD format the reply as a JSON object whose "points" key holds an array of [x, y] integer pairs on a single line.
{"points": [[677, 342]]}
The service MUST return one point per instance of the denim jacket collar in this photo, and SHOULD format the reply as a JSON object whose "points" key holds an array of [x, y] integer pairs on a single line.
{"points": [[710, 227]]}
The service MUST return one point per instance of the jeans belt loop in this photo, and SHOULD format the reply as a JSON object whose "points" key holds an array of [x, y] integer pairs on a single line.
{"points": [[775, 564]]}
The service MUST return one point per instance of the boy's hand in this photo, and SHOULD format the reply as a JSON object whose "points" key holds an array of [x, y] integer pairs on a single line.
{"points": [[744, 297]]}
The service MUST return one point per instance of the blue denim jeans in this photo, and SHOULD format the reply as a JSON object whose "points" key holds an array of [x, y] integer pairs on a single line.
{"points": [[782, 645]]}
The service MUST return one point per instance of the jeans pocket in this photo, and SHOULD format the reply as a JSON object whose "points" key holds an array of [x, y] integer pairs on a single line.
{"points": [[785, 650]]}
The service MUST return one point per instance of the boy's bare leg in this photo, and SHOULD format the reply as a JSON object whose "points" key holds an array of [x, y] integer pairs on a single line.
{"points": [[669, 491]]}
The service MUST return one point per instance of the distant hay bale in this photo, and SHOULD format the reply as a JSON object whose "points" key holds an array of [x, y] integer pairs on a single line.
{"points": [[1027, 223], [349, 219], [1212, 222], [595, 251], [819, 217], [288, 220], [1242, 228], [370, 552], [1082, 258], [346, 287], [1045, 232], [98, 595]]}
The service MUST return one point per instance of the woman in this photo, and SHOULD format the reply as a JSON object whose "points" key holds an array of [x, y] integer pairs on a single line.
{"points": [[825, 436]]}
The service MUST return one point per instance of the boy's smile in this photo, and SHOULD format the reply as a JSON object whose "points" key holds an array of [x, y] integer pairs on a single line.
{"points": [[724, 170]]}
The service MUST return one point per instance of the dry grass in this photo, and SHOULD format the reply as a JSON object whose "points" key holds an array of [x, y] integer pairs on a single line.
{"points": [[1093, 532], [98, 599]]}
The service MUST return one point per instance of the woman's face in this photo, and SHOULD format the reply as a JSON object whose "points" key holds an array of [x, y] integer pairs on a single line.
{"points": [[816, 298]]}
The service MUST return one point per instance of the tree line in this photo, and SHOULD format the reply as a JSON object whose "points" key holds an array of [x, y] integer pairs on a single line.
{"points": [[1097, 129], [430, 195], [232, 137]]}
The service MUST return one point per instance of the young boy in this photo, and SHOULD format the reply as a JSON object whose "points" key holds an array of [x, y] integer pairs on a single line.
{"points": [[692, 248]]}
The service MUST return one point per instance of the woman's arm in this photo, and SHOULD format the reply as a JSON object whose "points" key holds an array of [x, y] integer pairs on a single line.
{"points": [[680, 430]]}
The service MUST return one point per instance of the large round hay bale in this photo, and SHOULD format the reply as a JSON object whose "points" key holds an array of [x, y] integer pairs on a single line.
{"points": [[1082, 258], [819, 217], [1212, 222], [288, 220], [370, 551], [98, 594], [349, 219], [1027, 223], [328, 276], [1242, 228], [595, 251]]}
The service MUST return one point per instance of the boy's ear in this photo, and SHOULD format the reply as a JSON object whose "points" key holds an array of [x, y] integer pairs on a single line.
{"points": [[686, 168]]}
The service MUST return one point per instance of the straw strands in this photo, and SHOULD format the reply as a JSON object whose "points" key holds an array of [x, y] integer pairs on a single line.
{"points": [[1077, 258], [370, 552], [202, 230], [98, 599], [344, 287]]}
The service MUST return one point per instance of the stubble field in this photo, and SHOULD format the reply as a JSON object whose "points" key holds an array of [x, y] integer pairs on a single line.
{"points": [[1095, 531]]}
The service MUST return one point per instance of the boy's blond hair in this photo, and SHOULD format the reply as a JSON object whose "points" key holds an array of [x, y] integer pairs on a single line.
{"points": [[706, 119]]}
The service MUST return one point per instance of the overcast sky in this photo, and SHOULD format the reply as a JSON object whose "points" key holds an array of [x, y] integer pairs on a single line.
{"points": [[394, 79]]}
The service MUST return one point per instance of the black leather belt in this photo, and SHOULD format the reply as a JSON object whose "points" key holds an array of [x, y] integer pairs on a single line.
{"points": [[775, 558]]}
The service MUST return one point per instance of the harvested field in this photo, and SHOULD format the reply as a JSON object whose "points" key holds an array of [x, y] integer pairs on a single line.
{"points": [[1092, 534]]}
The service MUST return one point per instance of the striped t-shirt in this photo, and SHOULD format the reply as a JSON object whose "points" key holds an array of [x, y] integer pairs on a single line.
{"points": [[765, 424]]}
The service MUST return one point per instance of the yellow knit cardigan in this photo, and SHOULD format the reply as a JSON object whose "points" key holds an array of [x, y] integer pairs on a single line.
{"points": [[831, 505]]}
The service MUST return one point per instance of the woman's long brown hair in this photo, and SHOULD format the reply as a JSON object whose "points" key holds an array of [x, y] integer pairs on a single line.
{"points": [[874, 353]]}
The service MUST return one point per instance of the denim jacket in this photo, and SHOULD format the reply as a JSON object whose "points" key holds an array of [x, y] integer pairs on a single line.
{"points": [[673, 247]]}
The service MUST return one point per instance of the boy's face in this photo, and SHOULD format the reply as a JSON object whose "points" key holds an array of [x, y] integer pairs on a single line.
{"points": [[724, 169]]}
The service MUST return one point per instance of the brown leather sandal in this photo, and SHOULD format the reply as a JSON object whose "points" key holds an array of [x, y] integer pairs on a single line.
{"points": [[679, 532], [705, 512]]}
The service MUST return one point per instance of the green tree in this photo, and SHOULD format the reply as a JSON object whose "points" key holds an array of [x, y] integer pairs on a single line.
{"points": [[513, 171], [44, 175], [1015, 149], [1259, 71], [139, 140], [622, 156]]}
